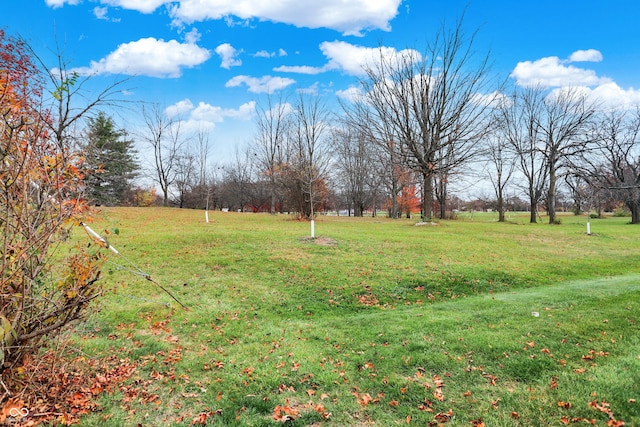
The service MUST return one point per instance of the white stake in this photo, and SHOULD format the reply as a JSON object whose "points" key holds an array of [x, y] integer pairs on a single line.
{"points": [[99, 238]]}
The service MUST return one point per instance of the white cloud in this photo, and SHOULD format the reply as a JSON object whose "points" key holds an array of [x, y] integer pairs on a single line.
{"points": [[193, 36], [311, 90], [265, 84], [350, 17], [351, 59], [143, 6], [553, 72], [205, 116], [149, 57], [228, 54], [610, 95], [179, 108], [100, 12], [264, 54], [59, 3], [267, 54], [301, 69], [211, 113], [493, 99], [589, 55], [350, 94]]}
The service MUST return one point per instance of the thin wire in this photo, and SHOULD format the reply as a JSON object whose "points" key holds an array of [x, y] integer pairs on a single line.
{"points": [[136, 270]]}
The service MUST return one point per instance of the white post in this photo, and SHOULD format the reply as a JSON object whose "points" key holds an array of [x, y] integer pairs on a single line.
{"points": [[589, 225], [313, 229], [206, 216]]}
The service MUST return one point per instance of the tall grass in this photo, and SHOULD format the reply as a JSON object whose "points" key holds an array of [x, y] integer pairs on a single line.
{"points": [[376, 322]]}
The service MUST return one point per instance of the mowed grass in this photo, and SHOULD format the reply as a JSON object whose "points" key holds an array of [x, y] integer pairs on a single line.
{"points": [[375, 323]]}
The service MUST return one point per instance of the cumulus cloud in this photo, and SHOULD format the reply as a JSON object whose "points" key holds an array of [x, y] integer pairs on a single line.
{"points": [[149, 57], [589, 55], [610, 95], [229, 56], [350, 94], [351, 59], [558, 74], [350, 17], [179, 108], [204, 116], [554, 72], [264, 84]]}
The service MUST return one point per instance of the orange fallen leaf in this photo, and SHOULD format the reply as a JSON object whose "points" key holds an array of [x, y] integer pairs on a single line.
{"points": [[565, 405]]}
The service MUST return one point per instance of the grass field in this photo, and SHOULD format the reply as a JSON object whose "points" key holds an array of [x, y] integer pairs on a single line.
{"points": [[375, 323]]}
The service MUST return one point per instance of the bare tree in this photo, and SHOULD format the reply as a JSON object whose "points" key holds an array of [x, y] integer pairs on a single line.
{"points": [[433, 104], [311, 151], [354, 166], [164, 138], [564, 125], [616, 164], [69, 87], [237, 181], [500, 169], [202, 157], [273, 121], [518, 124], [186, 176], [388, 159]]}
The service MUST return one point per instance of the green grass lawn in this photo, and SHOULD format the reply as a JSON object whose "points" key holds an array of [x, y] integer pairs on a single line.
{"points": [[375, 323]]}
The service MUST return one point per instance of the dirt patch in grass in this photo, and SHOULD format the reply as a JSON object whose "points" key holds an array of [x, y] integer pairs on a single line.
{"points": [[321, 241]]}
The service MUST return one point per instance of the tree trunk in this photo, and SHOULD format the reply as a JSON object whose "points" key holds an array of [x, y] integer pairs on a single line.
{"points": [[394, 199], [551, 196], [634, 207], [443, 199], [500, 204], [165, 197], [273, 202], [534, 207], [427, 197]]}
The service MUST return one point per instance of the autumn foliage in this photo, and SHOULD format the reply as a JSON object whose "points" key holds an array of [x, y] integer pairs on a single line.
{"points": [[41, 179]]}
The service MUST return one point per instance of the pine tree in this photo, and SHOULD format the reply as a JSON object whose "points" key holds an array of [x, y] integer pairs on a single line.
{"points": [[110, 156]]}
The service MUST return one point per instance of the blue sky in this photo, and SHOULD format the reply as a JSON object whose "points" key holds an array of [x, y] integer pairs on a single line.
{"points": [[211, 61]]}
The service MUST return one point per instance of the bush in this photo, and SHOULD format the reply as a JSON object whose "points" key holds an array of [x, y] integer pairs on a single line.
{"points": [[41, 292], [621, 211]]}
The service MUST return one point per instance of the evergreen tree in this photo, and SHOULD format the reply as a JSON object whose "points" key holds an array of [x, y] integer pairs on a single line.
{"points": [[110, 157]]}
